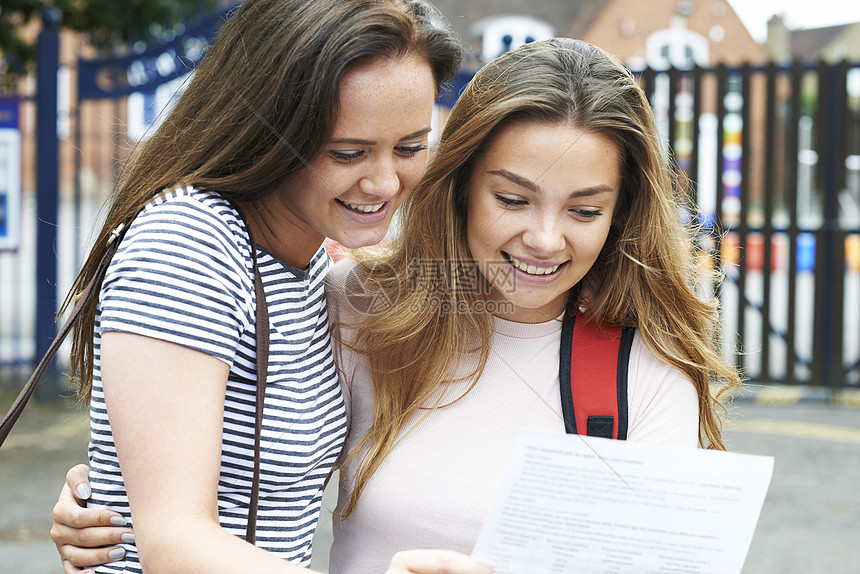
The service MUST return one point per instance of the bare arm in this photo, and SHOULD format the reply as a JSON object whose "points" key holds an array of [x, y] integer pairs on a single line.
{"points": [[78, 530], [170, 454], [166, 406]]}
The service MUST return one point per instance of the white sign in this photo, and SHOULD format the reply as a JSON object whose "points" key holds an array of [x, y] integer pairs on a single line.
{"points": [[10, 188]]}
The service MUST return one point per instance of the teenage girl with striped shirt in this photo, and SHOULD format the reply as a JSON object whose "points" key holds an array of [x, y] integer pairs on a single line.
{"points": [[306, 120]]}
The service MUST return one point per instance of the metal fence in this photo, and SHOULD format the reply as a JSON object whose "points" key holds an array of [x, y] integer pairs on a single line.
{"points": [[772, 157], [770, 154]]}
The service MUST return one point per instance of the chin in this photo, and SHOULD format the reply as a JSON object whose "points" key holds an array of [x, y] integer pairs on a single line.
{"points": [[357, 242]]}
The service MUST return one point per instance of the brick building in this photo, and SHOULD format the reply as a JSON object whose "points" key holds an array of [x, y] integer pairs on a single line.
{"points": [[624, 27]]}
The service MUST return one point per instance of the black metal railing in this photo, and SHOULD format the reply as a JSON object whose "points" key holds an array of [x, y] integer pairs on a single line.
{"points": [[771, 154], [785, 175]]}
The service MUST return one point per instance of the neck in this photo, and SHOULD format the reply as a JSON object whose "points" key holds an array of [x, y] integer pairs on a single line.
{"points": [[281, 234], [506, 309]]}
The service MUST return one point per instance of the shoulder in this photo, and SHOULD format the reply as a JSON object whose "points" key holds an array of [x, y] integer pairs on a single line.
{"points": [[340, 288], [190, 210], [342, 320], [663, 403], [189, 222], [182, 274], [339, 272], [186, 239]]}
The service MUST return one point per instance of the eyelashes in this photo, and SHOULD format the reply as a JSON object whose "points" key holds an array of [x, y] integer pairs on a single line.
{"points": [[353, 156], [510, 202], [346, 157], [409, 151]]}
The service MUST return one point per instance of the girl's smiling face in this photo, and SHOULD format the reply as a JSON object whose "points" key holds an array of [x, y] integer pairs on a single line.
{"points": [[376, 154], [540, 205]]}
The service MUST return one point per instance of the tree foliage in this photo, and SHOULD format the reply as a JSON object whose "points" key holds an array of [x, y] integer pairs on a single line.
{"points": [[108, 24]]}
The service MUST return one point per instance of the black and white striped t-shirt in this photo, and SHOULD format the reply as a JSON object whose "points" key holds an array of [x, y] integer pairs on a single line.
{"points": [[184, 274]]}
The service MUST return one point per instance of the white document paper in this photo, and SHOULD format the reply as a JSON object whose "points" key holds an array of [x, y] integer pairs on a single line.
{"points": [[575, 504]]}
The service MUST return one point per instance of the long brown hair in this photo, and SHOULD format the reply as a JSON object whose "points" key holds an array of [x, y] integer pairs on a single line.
{"points": [[645, 276], [261, 104]]}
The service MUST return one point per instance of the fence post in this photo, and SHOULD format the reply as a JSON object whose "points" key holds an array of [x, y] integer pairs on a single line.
{"points": [[826, 287], [742, 227], [47, 183], [767, 229]]}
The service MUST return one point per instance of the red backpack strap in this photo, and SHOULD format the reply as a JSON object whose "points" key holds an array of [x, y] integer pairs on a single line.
{"points": [[593, 378]]}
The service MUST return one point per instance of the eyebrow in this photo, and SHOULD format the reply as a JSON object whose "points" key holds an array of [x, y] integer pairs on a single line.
{"points": [[531, 185], [418, 134]]}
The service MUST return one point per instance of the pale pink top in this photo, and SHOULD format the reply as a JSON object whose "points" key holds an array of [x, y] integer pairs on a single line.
{"points": [[436, 486]]}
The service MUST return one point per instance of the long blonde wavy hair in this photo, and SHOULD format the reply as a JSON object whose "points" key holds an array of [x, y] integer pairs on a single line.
{"points": [[645, 276], [262, 103]]}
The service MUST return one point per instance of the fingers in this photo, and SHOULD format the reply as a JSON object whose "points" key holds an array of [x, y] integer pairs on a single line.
{"points": [[78, 481], [76, 558], [90, 545], [70, 568], [68, 513], [90, 538], [435, 562], [86, 536]]}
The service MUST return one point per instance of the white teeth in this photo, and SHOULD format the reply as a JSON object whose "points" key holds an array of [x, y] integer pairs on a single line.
{"points": [[532, 269], [364, 208]]}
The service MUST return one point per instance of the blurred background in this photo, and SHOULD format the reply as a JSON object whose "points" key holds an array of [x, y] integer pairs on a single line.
{"points": [[758, 104]]}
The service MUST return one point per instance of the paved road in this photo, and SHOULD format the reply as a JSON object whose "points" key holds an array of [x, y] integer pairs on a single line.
{"points": [[810, 523]]}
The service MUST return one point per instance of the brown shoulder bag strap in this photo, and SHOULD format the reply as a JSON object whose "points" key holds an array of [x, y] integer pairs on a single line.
{"points": [[17, 407], [262, 318], [262, 369]]}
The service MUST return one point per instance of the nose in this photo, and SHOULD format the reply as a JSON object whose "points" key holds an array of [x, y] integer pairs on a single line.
{"points": [[382, 179], [544, 235]]}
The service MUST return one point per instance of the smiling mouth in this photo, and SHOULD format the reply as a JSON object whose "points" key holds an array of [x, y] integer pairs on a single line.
{"points": [[362, 208], [531, 269]]}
